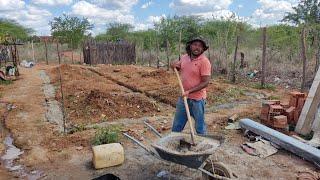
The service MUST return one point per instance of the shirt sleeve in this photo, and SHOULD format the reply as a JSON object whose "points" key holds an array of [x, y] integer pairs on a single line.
{"points": [[205, 69]]}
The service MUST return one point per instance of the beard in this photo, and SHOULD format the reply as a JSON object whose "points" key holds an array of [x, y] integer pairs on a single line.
{"points": [[196, 53]]}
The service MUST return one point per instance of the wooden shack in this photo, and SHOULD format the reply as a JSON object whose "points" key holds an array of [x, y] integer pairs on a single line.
{"points": [[120, 52]]}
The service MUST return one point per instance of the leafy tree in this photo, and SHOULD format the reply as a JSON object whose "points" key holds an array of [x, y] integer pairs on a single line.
{"points": [[69, 29], [14, 30], [116, 31]]}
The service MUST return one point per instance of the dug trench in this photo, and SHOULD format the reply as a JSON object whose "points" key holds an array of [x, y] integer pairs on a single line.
{"points": [[68, 156]]}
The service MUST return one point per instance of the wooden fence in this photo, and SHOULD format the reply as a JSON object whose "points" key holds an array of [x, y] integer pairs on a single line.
{"points": [[109, 52]]}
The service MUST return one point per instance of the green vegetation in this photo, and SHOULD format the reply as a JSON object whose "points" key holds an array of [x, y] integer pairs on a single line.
{"points": [[6, 82], [228, 95], [266, 86], [10, 28], [107, 135], [69, 29]]}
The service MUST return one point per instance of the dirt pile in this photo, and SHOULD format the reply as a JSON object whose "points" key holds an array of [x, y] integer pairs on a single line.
{"points": [[92, 98]]}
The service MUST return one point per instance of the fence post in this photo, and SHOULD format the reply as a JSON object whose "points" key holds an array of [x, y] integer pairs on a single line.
{"points": [[234, 60], [303, 56], [263, 64], [167, 52], [46, 50]]}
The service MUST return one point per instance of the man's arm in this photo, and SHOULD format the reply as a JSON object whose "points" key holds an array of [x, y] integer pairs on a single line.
{"points": [[203, 84]]}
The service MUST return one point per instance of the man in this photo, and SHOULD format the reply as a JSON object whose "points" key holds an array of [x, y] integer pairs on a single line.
{"points": [[195, 72]]}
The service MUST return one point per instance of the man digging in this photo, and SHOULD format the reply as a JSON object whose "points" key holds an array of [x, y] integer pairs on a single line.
{"points": [[195, 71]]}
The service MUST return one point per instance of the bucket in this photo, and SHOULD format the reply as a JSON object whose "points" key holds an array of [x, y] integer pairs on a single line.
{"points": [[107, 155]]}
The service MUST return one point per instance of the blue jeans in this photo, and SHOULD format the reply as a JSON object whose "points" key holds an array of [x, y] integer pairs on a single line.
{"points": [[196, 108]]}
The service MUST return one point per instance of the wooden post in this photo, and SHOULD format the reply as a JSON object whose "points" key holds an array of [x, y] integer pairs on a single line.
{"points": [[179, 45], [263, 63], [142, 59], [234, 60], [33, 57], [150, 52], [167, 52], [303, 56], [72, 56], [80, 57], [158, 58], [46, 50], [59, 58]]}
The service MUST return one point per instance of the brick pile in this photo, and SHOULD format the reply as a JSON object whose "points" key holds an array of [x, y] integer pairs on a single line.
{"points": [[278, 115]]}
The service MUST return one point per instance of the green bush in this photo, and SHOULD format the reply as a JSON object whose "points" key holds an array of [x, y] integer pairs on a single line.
{"points": [[106, 135]]}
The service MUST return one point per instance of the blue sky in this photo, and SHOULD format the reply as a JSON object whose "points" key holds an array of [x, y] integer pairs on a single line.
{"points": [[141, 14]]}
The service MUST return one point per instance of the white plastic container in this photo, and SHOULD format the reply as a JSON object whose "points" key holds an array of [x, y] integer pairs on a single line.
{"points": [[107, 155]]}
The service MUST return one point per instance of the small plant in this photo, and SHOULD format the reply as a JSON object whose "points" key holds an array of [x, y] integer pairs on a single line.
{"points": [[266, 86], [107, 135], [274, 97], [5, 82], [77, 128], [229, 94]]}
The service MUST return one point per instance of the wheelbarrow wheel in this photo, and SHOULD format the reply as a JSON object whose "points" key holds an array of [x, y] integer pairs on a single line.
{"points": [[219, 169]]}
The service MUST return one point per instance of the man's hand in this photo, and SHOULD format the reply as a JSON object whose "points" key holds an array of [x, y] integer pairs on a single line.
{"points": [[185, 94], [204, 83], [175, 64]]}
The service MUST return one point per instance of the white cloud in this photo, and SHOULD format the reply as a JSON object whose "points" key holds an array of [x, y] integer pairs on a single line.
{"points": [[31, 17], [186, 7], [221, 14], [272, 11], [52, 2], [146, 5], [123, 5], [155, 19], [100, 16], [7, 5], [142, 26]]}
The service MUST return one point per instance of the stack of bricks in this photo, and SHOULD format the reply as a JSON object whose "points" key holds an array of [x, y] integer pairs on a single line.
{"points": [[297, 101], [278, 115]]}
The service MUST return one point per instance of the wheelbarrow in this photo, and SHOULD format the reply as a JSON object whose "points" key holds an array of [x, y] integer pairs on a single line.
{"points": [[195, 160]]}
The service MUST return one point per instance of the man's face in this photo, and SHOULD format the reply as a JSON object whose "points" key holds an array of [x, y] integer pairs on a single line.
{"points": [[196, 48]]}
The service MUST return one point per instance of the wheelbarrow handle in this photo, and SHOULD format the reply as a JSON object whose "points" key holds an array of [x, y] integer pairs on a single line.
{"points": [[153, 129], [139, 143]]}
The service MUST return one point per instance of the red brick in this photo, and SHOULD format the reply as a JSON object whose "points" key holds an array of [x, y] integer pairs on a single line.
{"points": [[280, 121], [293, 101], [272, 102], [301, 102], [296, 116], [297, 94], [276, 108], [290, 114], [285, 105]]}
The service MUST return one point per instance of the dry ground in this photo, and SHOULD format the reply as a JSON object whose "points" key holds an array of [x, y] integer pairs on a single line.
{"points": [[127, 95]]}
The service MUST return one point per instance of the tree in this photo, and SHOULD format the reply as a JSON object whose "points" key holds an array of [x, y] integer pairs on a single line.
{"points": [[115, 31], [14, 30], [69, 29], [307, 15]]}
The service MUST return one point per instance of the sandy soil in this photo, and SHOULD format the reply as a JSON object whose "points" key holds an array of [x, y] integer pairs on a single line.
{"points": [[68, 156]]}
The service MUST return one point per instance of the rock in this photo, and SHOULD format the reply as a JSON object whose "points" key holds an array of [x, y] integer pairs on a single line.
{"points": [[163, 174], [79, 148]]}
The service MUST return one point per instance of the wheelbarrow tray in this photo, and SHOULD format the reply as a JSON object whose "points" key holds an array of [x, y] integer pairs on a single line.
{"points": [[190, 159]]}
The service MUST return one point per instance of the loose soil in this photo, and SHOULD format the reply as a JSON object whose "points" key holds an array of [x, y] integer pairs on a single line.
{"points": [[105, 95]]}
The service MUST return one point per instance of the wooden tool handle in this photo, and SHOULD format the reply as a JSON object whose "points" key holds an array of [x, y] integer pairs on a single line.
{"points": [[185, 105]]}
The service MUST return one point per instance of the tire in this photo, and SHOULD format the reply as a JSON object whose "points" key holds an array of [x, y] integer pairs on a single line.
{"points": [[219, 169]]}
